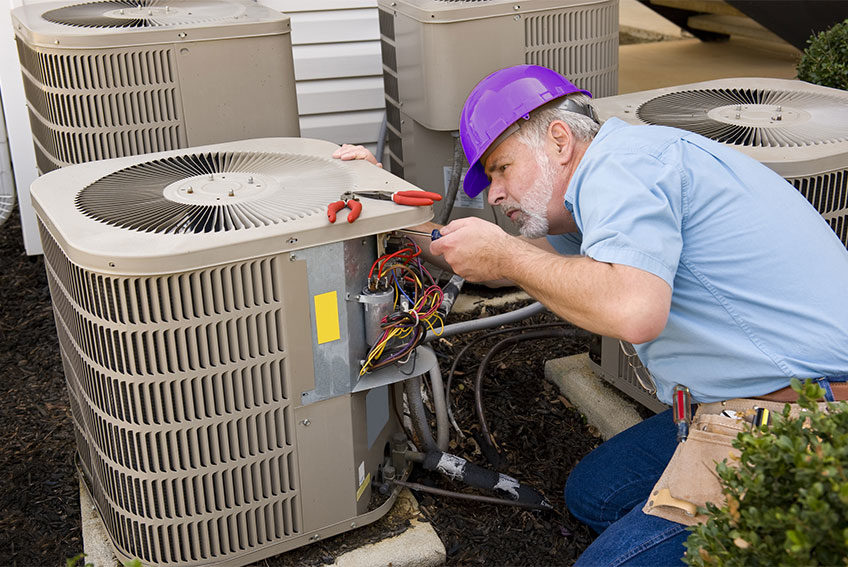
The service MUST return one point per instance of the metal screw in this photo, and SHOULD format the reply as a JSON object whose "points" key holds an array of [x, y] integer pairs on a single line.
{"points": [[516, 7], [315, 537], [182, 34], [250, 180], [516, 17], [291, 240], [306, 422], [738, 115], [190, 190], [232, 193], [353, 524]]}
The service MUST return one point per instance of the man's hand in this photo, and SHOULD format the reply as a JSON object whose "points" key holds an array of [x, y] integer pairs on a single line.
{"points": [[474, 248], [348, 152], [609, 299]]}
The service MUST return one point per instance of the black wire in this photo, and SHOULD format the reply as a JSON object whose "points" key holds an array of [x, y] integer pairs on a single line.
{"points": [[483, 337], [485, 435]]}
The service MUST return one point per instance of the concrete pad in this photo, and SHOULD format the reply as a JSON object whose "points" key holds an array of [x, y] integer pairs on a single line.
{"points": [[638, 20], [418, 546], [645, 66], [604, 407], [95, 540]]}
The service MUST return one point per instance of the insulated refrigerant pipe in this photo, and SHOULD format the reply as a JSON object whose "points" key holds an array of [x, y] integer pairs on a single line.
{"points": [[465, 496], [488, 322], [453, 185]]}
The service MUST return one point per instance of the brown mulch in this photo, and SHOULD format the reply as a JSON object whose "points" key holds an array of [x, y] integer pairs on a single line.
{"points": [[539, 435], [39, 491]]}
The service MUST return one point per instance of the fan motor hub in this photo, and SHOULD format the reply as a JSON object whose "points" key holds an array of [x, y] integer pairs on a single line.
{"points": [[141, 12], [220, 188], [758, 115]]}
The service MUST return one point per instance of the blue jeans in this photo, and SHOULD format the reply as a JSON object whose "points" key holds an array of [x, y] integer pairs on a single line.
{"points": [[608, 488]]}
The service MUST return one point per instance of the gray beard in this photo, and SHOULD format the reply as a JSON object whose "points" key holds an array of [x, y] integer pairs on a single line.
{"points": [[532, 219]]}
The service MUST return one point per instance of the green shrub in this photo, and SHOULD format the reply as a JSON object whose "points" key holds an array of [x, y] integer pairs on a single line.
{"points": [[787, 500], [825, 60]]}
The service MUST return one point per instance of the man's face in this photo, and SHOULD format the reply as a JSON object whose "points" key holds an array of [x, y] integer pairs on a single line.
{"points": [[522, 185]]}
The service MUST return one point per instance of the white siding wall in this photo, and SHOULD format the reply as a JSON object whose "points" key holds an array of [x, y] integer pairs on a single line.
{"points": [[337, 68], [337, 65], [17, 124]]}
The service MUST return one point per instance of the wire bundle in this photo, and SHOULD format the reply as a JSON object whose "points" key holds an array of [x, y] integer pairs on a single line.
{"points": [[415, 306]]}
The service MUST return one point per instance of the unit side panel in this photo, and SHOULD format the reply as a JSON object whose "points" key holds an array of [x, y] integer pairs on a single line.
{"points": [[439, 64], [581, 43], [327, 473], [238, 89], [86, 106], [181, 395]]}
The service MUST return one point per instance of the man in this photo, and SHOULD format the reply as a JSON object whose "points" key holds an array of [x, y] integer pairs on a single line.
{"points": [[720, 273]]}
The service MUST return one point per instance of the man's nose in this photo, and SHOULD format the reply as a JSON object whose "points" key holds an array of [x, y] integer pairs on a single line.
{"points": [[496, 193]]}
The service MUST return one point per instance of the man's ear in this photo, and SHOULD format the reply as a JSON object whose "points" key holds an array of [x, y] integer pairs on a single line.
{"points": [[560, 135]]}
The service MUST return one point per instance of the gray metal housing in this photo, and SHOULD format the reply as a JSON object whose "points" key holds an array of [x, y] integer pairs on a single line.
{"points": [[213, 375]]}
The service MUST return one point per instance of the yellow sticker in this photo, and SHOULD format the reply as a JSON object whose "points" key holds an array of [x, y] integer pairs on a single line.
{"points": [[327, 317], [362, 486]]}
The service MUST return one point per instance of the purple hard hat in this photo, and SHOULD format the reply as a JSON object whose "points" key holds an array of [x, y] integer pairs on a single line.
{"points": [[496, 103]]}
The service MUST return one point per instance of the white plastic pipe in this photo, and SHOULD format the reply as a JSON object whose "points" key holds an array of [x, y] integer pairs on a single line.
{"points": [[7, 181]]}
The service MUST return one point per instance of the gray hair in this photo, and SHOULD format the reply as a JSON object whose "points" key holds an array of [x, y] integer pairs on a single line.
{"points": [[534, 130]]}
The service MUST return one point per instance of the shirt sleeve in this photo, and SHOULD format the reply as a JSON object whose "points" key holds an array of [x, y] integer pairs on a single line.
{"points": [[629, 208], [566, 244]]}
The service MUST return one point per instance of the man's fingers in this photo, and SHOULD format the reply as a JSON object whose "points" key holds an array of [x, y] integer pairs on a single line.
{"points": [[350, 152]]}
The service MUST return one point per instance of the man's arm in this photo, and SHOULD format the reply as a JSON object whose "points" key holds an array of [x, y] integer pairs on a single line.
{"points": [[438, 260], [610, 299]]}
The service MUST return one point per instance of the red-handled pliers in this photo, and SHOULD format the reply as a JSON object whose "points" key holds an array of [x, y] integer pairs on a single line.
{"points": [[410, 198], [350, 199], [347, 200]]}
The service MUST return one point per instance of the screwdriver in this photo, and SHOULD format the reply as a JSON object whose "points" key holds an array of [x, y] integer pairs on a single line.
{"points": [[682, 410], [434, 235]]}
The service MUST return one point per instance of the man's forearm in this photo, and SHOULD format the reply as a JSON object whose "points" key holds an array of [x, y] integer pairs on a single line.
{"points": [[609, 299]]}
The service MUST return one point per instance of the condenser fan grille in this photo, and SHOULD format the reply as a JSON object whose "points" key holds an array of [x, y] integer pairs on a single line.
{"points": [[143, 13], [752, 117], [214, 192]]}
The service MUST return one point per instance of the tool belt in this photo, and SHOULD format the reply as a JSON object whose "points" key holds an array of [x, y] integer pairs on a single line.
{"points": [[690, 479]]}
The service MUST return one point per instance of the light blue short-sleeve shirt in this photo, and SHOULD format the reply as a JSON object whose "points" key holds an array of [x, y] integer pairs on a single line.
{"points": [[759, 280]]}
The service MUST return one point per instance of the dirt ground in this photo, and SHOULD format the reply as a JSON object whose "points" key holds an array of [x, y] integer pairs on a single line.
{"points": [[539, 435]]}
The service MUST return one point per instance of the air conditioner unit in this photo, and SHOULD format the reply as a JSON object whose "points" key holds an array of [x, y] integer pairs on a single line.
{"points": [[435, 51], [117, 77], [211, 331], [797, 129]]}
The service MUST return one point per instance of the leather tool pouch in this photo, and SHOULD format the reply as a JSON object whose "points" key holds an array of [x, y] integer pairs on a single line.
{"points": [[690, 479]]}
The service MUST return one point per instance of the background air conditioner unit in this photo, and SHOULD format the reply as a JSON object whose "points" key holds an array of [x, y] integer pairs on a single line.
{"points": [[211, 333], [123, 77], [435, 51], [797, 129]]}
